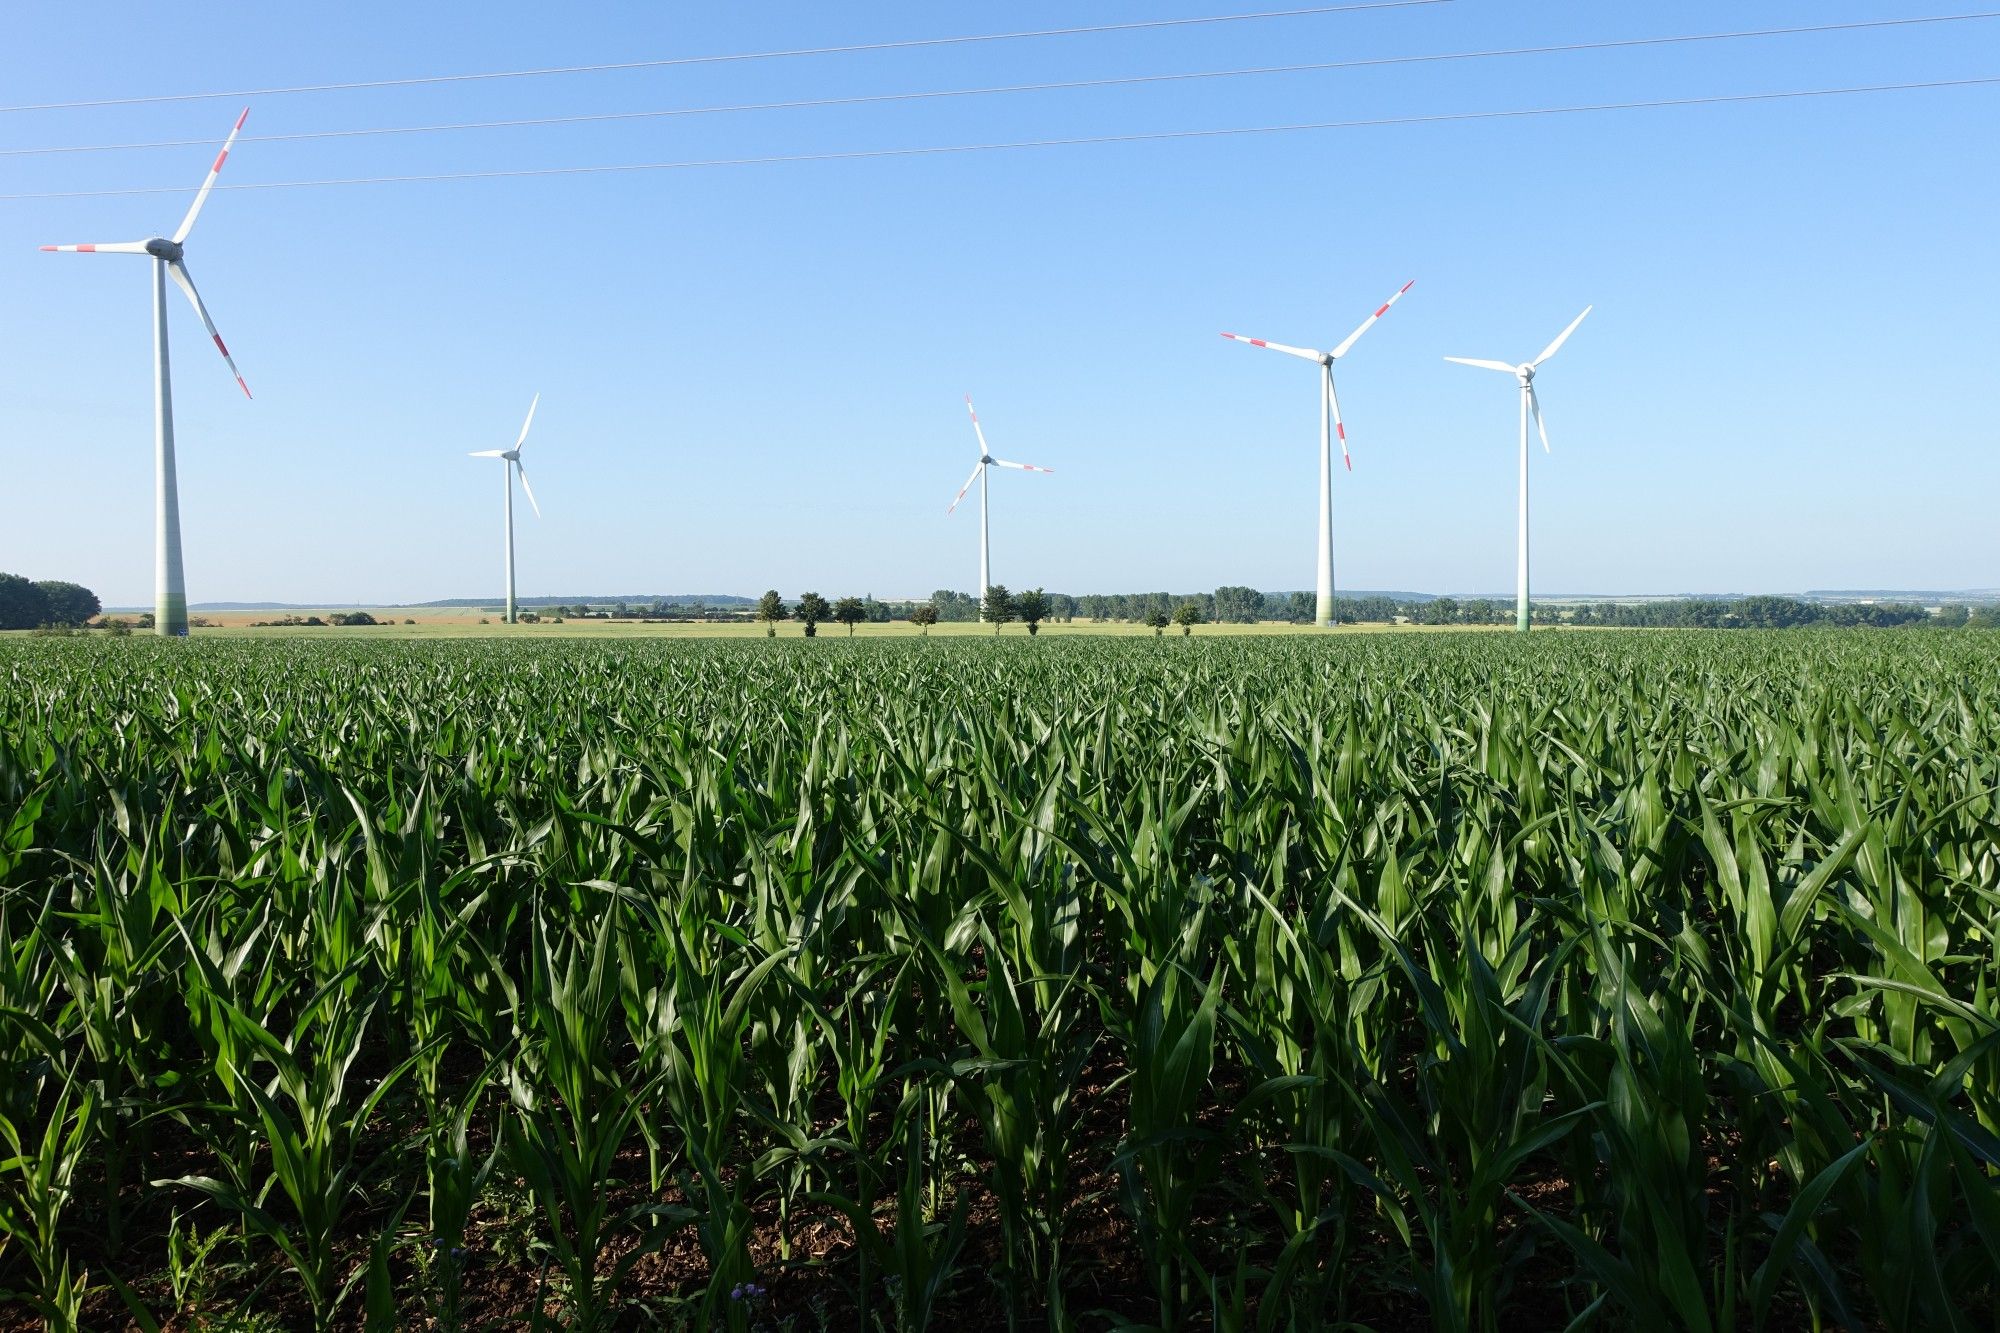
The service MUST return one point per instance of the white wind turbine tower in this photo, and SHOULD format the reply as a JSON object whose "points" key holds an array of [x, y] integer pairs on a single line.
{"points": [[168, 256], [1530, 404], [986, 460], [510, 464], [1329, 407]]}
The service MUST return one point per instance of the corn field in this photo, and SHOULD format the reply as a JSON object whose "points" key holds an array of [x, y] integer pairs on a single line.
{"points": [[1630, 980]]}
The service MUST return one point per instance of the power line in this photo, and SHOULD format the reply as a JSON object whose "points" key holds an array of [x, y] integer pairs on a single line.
{"points": [[737, 57], [869, 99], [1157, 136]]}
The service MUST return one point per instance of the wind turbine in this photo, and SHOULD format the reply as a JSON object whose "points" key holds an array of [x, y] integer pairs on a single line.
{"points": [[168, 256], [1329, 406], [510, 464], [986, 460], [1525, 372]]}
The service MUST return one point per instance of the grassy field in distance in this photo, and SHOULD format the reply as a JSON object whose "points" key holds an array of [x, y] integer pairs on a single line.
{"points": [[459, 622]]}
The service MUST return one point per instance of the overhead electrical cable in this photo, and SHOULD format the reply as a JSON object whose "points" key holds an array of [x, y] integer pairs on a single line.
{"points": [[872, 99], [939, 150], [673, 62]]}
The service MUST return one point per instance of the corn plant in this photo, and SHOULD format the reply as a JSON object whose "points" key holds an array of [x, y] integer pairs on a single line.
{"points": [[1628, 979]]}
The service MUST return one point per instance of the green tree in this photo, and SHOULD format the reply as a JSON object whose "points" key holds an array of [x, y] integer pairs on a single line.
{"points": [[69, 603], [1187, 615], [924, 616], [23, 605], [850, 611], [1953, 614], [1158, 619], [955, 605], [1031, 608], [998, 608], [770, 610], [811, 610], [1237, 604]]}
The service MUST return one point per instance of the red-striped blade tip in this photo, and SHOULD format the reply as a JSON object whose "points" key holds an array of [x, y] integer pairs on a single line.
{"points": [[245, 116], [1347, 460], [48, 247], [1406, 286], [246, 387]]}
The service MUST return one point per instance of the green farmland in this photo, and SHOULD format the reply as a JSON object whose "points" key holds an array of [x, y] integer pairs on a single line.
{"points": [[1623, 980]]}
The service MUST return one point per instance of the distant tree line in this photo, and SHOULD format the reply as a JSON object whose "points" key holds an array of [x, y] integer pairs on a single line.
{"points": [[1238, 605], [1234, 605], [1770, 613], [27, 604]]}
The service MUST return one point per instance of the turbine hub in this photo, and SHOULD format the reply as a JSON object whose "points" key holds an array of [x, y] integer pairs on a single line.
{"points": [[162, 248], [1526, 372], [985, 458]]}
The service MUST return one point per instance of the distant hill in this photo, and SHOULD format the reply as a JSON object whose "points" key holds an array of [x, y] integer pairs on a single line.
{"points": [[1968, 595]]}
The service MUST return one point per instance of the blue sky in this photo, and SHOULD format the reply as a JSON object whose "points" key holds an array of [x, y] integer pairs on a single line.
{"points": [[752, 376]]}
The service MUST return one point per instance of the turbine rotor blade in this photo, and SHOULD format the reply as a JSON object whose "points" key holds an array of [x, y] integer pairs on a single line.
{"points": [[1306, 352], [1021, 467], [529, 422], [1339, 427], [1561, 338], [488, 453], [976, 469], [983, 450], [108, 248], [522, 473], [178, 272], [201, 196], [1535, 406], [1484, 365], [1369, 322]]}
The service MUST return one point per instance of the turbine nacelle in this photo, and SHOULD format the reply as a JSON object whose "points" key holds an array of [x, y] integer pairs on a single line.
{"points": [[162, 248]]}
